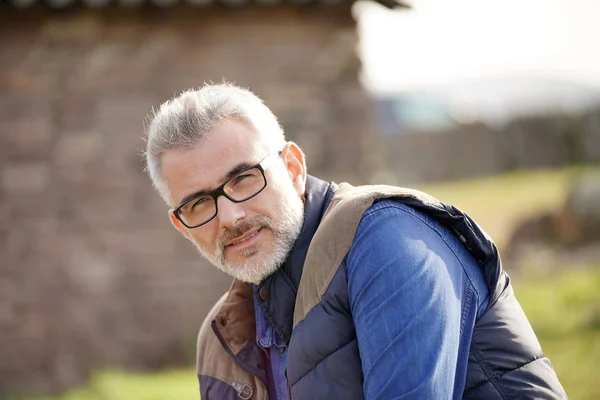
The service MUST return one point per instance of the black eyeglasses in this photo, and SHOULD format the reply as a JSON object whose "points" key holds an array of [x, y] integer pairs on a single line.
{"points": [[202, 208]]}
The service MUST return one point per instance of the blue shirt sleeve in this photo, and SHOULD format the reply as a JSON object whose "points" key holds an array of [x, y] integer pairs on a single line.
{"points": [[410, 299]]}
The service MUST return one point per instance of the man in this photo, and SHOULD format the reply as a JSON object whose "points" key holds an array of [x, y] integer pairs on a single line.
{"points": [[371, 292]]}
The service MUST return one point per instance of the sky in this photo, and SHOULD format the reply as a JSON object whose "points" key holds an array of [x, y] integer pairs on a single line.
{"points": [[442, 42]]}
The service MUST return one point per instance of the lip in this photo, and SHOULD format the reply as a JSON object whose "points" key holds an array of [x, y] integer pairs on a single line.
{"points": [[253, 234]]}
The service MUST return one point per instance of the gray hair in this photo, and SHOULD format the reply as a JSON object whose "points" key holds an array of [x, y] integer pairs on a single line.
{"points": [[185, 121]]}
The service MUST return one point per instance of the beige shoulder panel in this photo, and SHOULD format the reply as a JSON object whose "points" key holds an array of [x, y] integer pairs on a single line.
{"points": [[335, 236], [213, 360], [208, 341]]}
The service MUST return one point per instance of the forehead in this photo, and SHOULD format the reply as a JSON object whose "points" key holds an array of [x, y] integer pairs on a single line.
{"points": [[204, 167]]}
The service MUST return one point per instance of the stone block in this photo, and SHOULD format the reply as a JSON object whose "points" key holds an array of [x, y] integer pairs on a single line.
{"points": [[27, 80], [28, 137], [74, 28], [25, 178], [78, 148], [17, 107]]}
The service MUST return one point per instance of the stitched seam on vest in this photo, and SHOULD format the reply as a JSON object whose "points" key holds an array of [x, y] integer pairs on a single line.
{"points": [[474, 388], [492, 377], [480, 384], [231, 384], [323, 359], [228, 382], [521, 365]]}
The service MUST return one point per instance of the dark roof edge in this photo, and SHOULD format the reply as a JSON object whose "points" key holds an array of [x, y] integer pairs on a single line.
{"points": [[99, 4]]}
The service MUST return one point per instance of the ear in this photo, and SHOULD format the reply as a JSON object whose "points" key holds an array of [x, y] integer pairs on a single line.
{"points": [[179, 226], [294, 160]]}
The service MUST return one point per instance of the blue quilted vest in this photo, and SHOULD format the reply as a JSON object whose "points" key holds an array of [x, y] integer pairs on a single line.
{"points": [[306, 302]]}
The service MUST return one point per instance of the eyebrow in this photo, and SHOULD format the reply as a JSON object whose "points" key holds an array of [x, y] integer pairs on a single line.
{"points": [[232, 172]]}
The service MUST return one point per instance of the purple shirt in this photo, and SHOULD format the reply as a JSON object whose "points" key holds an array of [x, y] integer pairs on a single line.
{"points": [[268, 339]]}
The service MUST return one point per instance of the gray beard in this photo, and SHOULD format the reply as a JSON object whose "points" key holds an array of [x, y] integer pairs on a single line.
{"points": [[258, 267]]}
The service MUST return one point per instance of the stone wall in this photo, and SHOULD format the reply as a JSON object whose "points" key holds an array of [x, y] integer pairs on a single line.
{"points": [[477, 150], [91, 273]]}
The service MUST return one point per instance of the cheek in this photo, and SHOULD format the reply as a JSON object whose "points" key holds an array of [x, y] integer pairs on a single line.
{"points": [[205, 237], [282, 188], [270, 206]]}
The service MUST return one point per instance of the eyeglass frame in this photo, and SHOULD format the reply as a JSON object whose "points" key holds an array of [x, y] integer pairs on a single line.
{"points": [[220, 191]]}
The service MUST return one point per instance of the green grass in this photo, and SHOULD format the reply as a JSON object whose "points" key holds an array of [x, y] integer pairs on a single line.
{"points": [[562, 306], [118, 385]]}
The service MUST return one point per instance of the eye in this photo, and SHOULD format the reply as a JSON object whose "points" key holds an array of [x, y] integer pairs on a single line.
{"points": [[198, 202], [240, 178]]}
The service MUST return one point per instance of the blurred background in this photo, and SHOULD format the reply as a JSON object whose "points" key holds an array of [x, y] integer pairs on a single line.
{"points": [[491, 106]]}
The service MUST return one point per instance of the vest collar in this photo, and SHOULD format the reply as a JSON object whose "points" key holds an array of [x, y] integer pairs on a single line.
{"points": [[276, 295], [234, 323]]}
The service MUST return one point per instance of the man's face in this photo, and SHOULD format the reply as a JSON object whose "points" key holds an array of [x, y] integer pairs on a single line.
{"points": [[247, 240]]}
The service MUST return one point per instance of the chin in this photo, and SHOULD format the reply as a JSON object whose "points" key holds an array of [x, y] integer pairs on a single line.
{"points": [[254, 263], [244, 256], [251, 273], [253, 268]]}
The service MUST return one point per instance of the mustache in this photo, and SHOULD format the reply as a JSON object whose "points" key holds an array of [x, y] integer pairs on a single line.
{"points": [[244, 227]]}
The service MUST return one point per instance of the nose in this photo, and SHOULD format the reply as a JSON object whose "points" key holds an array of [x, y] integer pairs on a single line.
{"points": [[229, 212]]}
